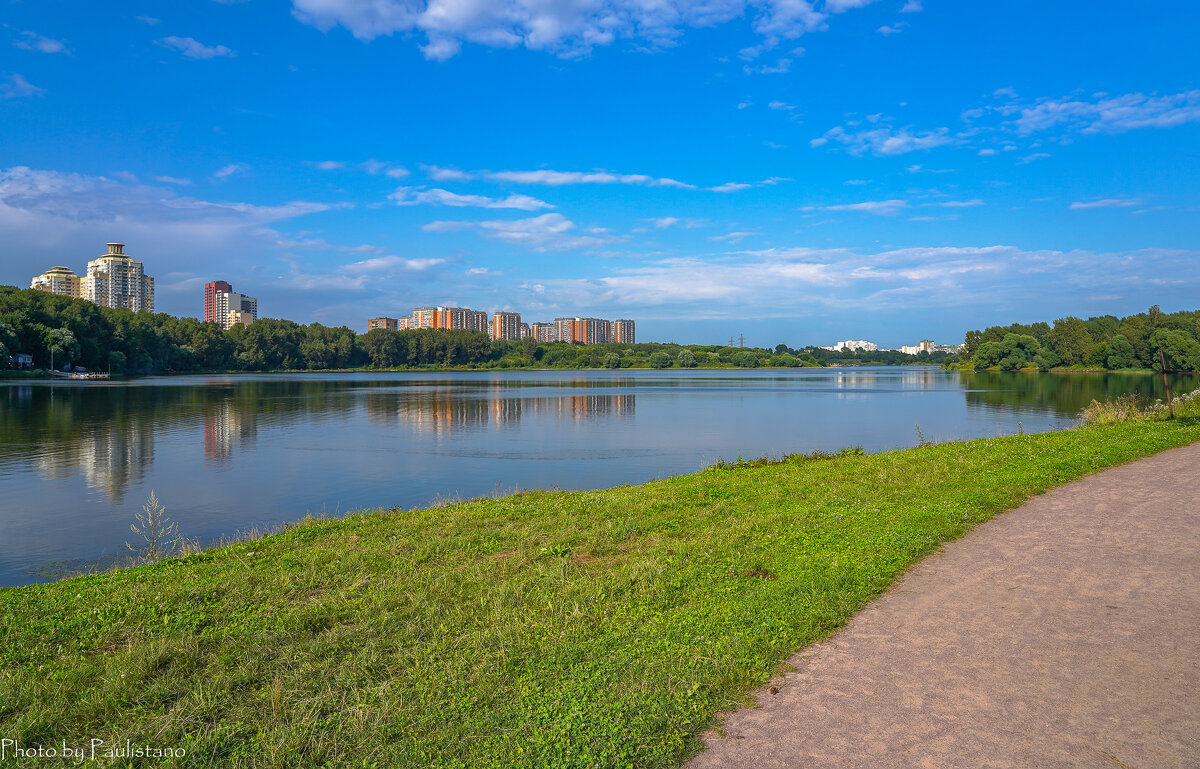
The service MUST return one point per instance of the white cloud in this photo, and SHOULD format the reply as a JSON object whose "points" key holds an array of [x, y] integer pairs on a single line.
{"points": [[227, 171], [781, 105], [893, 29], [194, 49], [1031, 158], [31, 41], [912, 6], [477, 271], [329, 165], [173, 180], [18, 87], [1106, 203], [730, 187], [559, 178], [148, 20], [960, 203], [885, 140], [565, 27], [548, 232], [841, 6], [437, 173], [390, 264], [411, 196], [1115, 114], [877, 207], [987, 152], [731, 237]]}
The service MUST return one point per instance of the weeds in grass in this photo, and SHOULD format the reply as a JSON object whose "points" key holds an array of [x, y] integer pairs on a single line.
{"points": [[766, 460], [1131, 408], [159, 533]]}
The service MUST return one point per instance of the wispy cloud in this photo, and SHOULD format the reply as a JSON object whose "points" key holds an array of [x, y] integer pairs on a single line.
{"points": [[548, 232], [885, 140], [568, 27], [559, 178], [173, 180], [731, 187], [227, 171], [194, 49], [1110, 114], [411, 196], [32, 41], [1105, 203], [18, 87], [877, 207]]}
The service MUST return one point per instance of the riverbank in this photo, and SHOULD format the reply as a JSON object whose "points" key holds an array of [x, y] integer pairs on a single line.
{"points": [[545, 628]]}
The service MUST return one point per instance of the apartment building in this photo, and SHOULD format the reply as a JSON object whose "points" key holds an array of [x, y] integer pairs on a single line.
{"points": [[623, 331], [59, 280], [542, 332], [227, 308], [506, 325], [391, 324], [117, 280]]}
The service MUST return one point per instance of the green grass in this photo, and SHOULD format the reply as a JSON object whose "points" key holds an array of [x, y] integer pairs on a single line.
{"points": [[543, 629]]}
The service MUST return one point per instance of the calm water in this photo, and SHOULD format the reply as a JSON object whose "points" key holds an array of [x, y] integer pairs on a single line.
{"points": [[226, 453]]}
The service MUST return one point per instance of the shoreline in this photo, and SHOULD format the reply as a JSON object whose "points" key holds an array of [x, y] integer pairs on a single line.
{"points": [[612, 624]]}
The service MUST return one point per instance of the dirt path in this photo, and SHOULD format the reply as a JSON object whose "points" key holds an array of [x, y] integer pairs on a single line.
{"points": [[1065, 633]]}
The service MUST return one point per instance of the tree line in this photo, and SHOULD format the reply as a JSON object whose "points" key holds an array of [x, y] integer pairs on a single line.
{"points": [[61, 332], [1143, 341]]}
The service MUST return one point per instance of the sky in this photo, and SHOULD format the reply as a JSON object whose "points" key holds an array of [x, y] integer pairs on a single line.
{"points": [[796, 171]]}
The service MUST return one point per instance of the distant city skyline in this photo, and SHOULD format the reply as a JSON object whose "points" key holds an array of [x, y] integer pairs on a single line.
{"points": [[795, 171]]}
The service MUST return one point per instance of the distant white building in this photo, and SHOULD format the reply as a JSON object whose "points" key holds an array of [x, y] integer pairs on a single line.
{"points": [[860, 345]]}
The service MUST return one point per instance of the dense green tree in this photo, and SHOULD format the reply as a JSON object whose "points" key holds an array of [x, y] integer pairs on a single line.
{"points": [[62, 342], [745, 359], [1120, 353], [1181, 352], [687, 359], [1070, 340], [660, 360]]}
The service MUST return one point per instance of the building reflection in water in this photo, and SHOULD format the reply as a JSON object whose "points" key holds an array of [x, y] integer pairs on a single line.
{"points": [[447, 411], [225, 423], [110, 458]]}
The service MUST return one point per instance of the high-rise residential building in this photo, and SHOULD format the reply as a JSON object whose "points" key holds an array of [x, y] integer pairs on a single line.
{"points": [[542, 332], [116, 280], [449, 318], [239, 318], [623, 331], [391, 324], [564, 329], [59, 280], [210, 300], [591, 330], [506, 325], [524, 330], [226, 307]]}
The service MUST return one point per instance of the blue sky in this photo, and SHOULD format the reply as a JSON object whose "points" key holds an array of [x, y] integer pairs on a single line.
{"points": [[794, 171]]}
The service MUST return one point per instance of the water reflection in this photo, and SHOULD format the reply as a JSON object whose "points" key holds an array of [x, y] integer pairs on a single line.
{"points": [[446, 411], [228, 452]]}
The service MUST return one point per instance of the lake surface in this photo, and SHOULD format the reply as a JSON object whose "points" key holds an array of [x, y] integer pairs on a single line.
{"points": [[227, 453]]}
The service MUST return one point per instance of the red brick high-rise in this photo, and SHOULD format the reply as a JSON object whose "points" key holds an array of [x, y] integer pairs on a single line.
{"points": [[210, 299]]}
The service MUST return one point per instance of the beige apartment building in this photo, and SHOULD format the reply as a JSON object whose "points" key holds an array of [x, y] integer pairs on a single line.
{"points": [[623, 331], [59, 280], [114, 280], [117, 280]]}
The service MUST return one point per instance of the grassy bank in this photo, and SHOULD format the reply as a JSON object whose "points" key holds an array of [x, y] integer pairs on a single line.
{"points": [[542, 629]]}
